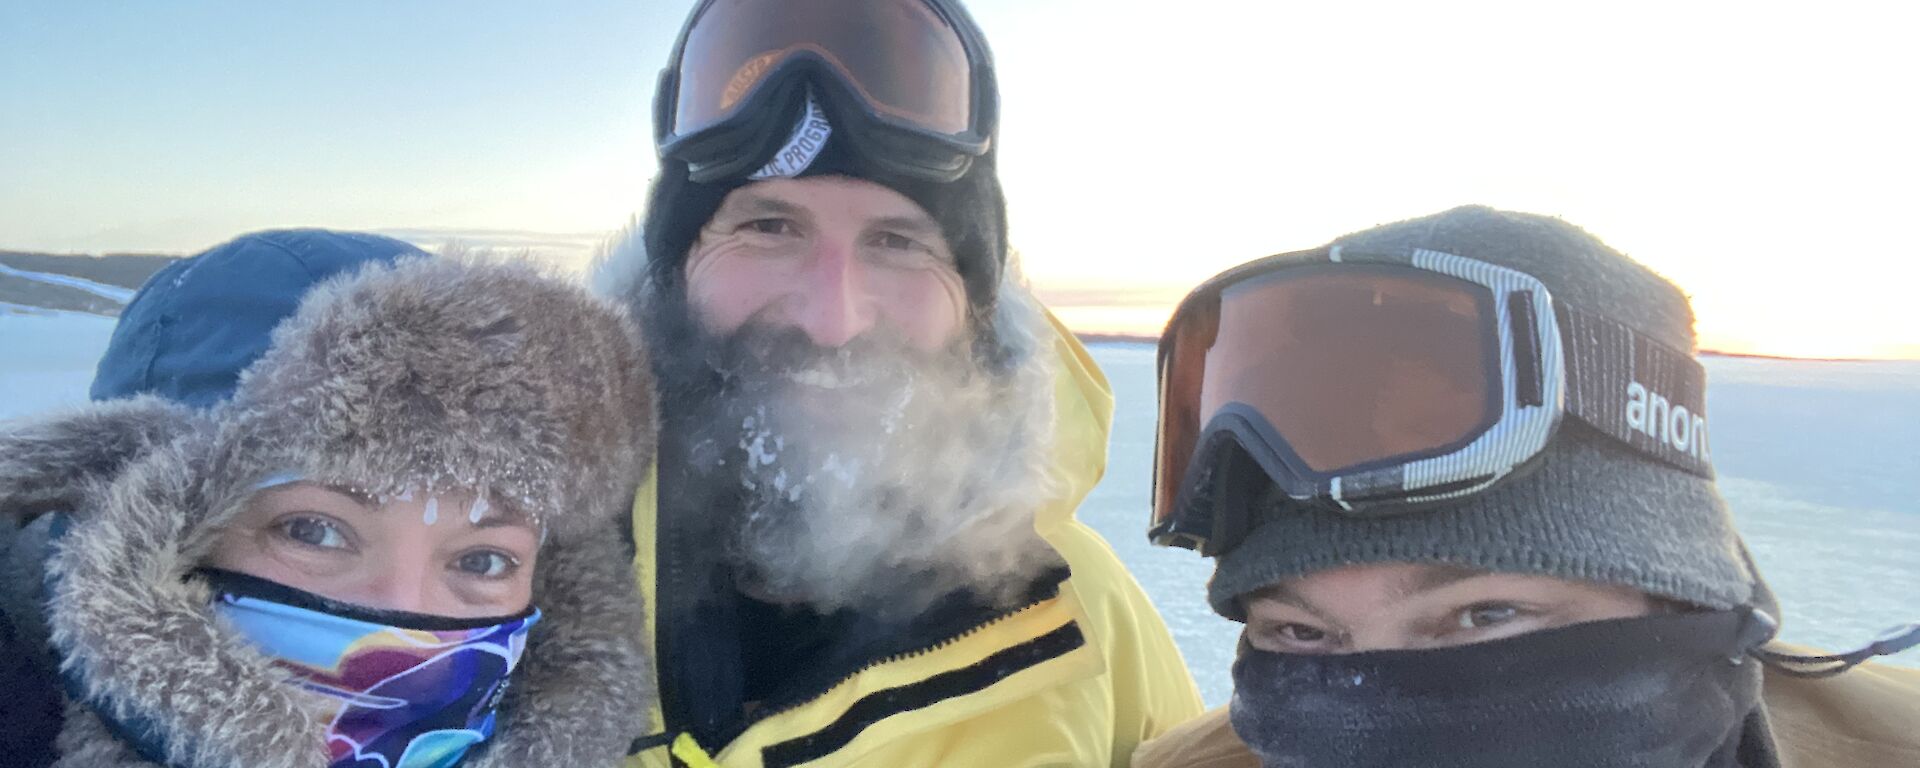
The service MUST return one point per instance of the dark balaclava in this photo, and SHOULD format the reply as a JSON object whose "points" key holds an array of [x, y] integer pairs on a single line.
{"points": [[1664, 691]]}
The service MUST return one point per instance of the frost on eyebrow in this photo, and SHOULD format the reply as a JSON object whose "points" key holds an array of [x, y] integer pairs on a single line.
{"points": [[482, 512], [487, 513]]}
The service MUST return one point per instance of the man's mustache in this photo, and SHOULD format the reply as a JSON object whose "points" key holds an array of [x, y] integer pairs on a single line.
{"points": [[767, 356]]}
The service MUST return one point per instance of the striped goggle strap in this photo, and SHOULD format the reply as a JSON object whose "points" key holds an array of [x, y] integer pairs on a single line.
{"points": [[1637, 390]]}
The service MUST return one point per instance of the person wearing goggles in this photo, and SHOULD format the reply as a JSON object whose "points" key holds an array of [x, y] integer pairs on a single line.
{"points": [[860, 546], [1456, 477]]}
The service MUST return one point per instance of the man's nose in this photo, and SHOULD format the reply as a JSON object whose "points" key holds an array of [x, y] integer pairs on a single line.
{"points": [[835, 304]]}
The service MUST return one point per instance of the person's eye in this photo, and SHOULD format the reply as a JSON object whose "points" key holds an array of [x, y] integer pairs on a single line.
{"points": [[897, 251], [1300, 633], [770, 226], [1290, 637], [1485, 615], [315, 532], [486, 563], [897, 242]]}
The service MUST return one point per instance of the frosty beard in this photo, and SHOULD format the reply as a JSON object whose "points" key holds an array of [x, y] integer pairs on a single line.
{"points": [[875, 476]]}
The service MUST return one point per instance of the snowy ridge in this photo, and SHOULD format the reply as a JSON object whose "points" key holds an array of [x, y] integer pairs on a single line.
{"points": [[10, 308], [102, 290]]}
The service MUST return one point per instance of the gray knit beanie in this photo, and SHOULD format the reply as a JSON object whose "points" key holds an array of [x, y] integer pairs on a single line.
{"points": [[1591, 509]]}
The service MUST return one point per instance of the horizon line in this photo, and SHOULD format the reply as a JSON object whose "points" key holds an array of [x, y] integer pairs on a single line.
{"points": [[1063, 299]]}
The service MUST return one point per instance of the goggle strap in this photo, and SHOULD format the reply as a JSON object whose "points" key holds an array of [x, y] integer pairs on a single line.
{"points": [[1637, 390], [1887, 644]]}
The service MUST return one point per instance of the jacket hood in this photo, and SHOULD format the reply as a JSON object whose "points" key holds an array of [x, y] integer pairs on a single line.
{"points": [[1080, 440], [428, 374]]}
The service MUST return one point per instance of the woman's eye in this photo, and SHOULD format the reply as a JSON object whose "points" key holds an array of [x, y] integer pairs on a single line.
{"points": [[486, 564], [1487, 615], [770, 226], [314, 532]]}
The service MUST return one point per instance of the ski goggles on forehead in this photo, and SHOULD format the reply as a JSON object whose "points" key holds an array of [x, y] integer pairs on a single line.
{"points": [[1376, 383], [912, 81]]}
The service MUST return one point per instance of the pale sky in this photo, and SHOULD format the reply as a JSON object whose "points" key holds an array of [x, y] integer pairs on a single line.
{"points": [[1759, 154]]}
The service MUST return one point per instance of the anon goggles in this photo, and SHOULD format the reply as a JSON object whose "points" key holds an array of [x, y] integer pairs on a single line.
{"points": [[1374, 383], [910, 82]]}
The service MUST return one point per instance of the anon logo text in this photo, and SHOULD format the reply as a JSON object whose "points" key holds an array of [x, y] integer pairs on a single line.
{"points": [[1652, 414]]}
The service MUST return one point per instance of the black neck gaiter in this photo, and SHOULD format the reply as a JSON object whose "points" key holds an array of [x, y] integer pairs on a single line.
{"points": [[1668, 691]]}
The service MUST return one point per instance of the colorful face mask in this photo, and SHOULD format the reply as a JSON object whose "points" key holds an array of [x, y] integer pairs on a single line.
{"points": [[400, 690]]}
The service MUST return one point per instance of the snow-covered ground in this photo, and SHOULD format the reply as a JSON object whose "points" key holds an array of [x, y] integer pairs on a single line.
{"points": [[47, 357], [1820, 461]]}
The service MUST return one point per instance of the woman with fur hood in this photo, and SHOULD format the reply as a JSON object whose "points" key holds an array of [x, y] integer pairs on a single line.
{"points": [[411, 500]]}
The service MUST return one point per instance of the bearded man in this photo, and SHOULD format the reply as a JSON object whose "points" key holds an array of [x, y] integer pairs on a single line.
{"points": [[859, 548]]}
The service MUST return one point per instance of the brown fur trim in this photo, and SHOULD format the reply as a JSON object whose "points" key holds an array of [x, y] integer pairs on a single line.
{"points": [[50, 463], [436, 373], [144, 639], [586, 682]]}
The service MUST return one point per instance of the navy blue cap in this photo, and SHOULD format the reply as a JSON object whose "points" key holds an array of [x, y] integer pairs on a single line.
{"points": [[199, 322]]}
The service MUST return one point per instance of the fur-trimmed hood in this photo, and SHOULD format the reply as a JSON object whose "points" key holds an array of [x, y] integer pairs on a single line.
{"points": [[427, 374]]}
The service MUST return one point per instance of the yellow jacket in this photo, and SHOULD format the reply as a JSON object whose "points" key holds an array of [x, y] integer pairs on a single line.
{"points": [[1863, 718], [1076, 680]]}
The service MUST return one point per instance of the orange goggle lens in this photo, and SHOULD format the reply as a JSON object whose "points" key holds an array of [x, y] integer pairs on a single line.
{"points": [[901, 56], [1345, 365]]}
